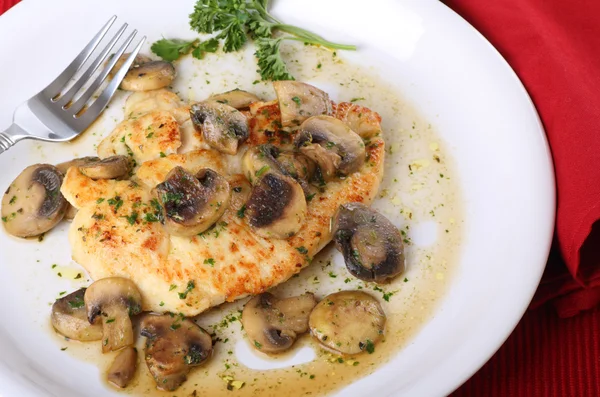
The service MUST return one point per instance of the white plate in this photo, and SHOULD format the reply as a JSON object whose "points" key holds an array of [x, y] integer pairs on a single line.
{"points": [[451, 74]]}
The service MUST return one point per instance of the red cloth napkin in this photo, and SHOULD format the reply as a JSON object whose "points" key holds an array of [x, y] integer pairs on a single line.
{"points": [[6, 4], [554, 46]]}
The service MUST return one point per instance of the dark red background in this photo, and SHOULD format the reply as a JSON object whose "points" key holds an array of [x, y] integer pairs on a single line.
{"points": [[545, 355]]}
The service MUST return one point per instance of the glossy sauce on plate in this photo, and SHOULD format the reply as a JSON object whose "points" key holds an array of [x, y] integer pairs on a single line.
{"points": [[420, 194]]}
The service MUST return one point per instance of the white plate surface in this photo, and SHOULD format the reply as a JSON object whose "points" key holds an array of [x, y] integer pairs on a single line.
{"points": [[441, 64]]}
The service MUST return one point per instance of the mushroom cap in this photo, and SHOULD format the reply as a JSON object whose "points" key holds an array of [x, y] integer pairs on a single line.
{"points": [[64, 167], [299, 101], [112, 291], [192, 203], [148, 76], [272, 324], [223, 127], [122, 370], [139, 60], [296, 165], [337, 150], [372, 246], [348, 322], [69, 318], [260, 160], [113, 167], [114, 300], [173, 346], [277, 206], [267, 158], [33, 203], [238, 99]]}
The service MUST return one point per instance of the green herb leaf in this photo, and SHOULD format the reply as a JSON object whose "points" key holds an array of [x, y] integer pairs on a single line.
{"points": [[210, 261], [271, 65], [261, 171], [241, 212], [116, 202], [302, 250], [131, 219], [76, 303], [171, 50], [211, 45], [190, 286]]}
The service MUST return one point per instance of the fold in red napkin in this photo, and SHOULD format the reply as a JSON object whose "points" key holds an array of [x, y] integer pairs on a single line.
{"points": [[554, 46]]}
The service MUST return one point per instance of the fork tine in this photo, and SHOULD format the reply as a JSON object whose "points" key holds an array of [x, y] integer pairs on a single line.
{"points": [[80, 103], [64, 99], [56, 86], [99, 104]]}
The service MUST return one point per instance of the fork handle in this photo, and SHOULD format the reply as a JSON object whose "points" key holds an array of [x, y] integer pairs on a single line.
{"points": [[8, 138]]}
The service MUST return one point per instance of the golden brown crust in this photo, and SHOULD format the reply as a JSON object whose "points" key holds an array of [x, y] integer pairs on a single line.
{"points": [[226, 262]]}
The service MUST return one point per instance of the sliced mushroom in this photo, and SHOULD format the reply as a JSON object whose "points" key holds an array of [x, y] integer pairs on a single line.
{"points": [[173, 347], [272, 324], [237, 98], [122, 370], [69, 318], [296, 165], [64, 167], [114, 300], [70, 213], [223, 127], [148, 76], [191, 203], [33, 203], [348, 322], [260, 160], [299, 101], [277, 206], [109, 168], [337, 150], [240, 193], [139, 60], [372, 246], [267, 158]]}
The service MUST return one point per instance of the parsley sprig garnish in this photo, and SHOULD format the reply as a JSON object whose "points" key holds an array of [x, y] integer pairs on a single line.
{"points": [[234, 22]]}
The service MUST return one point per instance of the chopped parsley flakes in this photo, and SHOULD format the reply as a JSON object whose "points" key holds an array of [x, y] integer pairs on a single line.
{"points": [[190, 286]]}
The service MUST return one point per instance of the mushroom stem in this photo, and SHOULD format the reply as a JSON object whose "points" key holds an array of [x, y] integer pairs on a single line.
{"points": [[113, 299], [117, 330], [122, 370]]}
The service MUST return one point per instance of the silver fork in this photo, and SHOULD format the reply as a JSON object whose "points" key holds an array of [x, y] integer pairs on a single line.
{"points": [[56, 116]]}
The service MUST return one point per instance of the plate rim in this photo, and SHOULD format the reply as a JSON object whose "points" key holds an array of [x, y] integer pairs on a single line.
{"points": [[552, 201]]}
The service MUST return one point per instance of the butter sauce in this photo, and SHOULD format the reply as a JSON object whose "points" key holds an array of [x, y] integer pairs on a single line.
{"points": [[420, 194]]}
